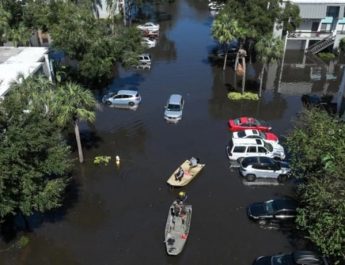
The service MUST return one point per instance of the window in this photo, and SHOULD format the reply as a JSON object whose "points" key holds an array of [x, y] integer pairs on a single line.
{"points": [[239, 149], [251, 149], [261, 150], [332, 11]]}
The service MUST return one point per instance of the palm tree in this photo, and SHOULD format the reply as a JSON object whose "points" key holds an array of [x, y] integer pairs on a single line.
{"points": [[225, 30], [20, 35], [74, 103], [269, 49], [4, 27]]}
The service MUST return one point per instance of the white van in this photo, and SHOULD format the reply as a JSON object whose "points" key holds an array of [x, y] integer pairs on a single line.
{"points": [[239, 148]]}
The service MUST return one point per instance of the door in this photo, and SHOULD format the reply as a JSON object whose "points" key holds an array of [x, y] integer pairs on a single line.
{"points": [[315, 26]]}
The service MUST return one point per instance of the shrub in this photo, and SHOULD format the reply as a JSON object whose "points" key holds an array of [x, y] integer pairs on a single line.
{"points": [[245, 95], [326, 56], [102, 160], [342, 44]]}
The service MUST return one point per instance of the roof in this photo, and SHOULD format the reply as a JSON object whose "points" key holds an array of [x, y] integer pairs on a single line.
{"points": [[18, 60], [127, 92], [175, 99], [247, 141]]}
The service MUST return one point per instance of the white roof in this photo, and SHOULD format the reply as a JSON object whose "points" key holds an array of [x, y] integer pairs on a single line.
{"points": [[318, 1], [16, 61]]}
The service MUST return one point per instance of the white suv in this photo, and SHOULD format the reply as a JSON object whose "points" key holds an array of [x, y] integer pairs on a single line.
{"points": [[239, 148]]}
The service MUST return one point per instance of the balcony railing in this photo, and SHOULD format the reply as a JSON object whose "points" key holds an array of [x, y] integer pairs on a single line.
{"points": [[309, 34]]}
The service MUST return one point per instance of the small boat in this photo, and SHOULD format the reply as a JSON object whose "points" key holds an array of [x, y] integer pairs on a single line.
{"points": [[177, 227], [181, 178]]}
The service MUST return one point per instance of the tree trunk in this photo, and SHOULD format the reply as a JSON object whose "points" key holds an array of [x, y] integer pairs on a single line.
{"points": [[244, 74], [77, 137], [236, 64], [261, 78], [225, 57]]}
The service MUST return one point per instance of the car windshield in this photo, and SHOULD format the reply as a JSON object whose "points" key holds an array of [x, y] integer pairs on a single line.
{"points": [[268, 146], [262, 135], [282, 260], [241, 134], [237, 121], [174, 107], [269, 207]]}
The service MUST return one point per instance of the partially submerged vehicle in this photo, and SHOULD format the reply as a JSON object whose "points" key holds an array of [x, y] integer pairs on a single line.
{"points": [[177, 227], [185, 173]]}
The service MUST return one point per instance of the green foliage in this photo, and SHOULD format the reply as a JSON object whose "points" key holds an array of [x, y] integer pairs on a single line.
{"points": [[22, 242], [317, 148], [240, 96], [98, 160], [342, 44], [327, 56], [4, 23], [34, 159], [269, 49]]}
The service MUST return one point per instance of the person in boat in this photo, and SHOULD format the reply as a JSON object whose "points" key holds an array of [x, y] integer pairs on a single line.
{"points": [[176, 209], [193, 162], [179, 174]]}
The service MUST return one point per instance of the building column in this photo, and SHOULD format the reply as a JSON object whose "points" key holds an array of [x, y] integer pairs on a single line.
{"points": [[306, 44]]}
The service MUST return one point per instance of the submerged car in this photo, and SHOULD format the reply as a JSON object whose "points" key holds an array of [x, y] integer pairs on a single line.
{"points": [[255, 167], [255, 134], [276, 210], [149, 42], [123, 99], [322, 102], [302, 257], [174, 108], [244, 123], [149, 26]]}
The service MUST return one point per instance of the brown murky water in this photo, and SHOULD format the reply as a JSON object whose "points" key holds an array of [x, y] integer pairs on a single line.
{"points": [[117, 215]]}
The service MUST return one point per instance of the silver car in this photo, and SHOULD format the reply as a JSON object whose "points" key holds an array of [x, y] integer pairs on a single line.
{"points": [[174, 108], [129, 99], [254, 167]]}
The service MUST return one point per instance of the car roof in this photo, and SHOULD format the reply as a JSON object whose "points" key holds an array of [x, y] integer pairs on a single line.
{"points": [[247, 141], [127, 92], [175, 99]]}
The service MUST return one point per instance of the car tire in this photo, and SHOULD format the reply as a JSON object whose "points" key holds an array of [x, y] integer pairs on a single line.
{"points": [[108, 102], [131, 104], [282, 178], [250, 177]]}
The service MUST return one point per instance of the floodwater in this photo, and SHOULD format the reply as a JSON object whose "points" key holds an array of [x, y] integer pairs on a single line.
{"points": [[116, 215]]}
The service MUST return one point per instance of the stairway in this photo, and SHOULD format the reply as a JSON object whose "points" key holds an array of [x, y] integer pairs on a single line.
{"points": [[322, 44]]}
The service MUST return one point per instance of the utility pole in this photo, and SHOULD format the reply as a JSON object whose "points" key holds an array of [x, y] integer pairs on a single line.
{"points": [[341, 92]]}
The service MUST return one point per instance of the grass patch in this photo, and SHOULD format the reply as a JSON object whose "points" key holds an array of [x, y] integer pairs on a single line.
{"points": [[245, 95]]}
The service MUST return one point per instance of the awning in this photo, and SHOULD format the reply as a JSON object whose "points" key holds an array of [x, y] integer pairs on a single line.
{"points": [[341, 21], [327, 20]]}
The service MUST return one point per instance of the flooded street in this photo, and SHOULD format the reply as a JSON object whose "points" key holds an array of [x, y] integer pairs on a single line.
{"points": [[117, 215]]}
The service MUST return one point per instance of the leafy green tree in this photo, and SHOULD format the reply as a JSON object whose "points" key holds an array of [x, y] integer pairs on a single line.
{"points": [[34, 159], [19, 35], [317, 148], [225, 30], [4, 26], [72, 104], [269, 49]]}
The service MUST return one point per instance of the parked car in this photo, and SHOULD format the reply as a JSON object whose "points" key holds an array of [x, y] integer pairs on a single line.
{"points": [[123, 99], [280, 210], [238, 148], [243, 123], [174, 108], [149, 42], [302, 257], [149, 26], [255, 134], [255, 167], [323, 102]]}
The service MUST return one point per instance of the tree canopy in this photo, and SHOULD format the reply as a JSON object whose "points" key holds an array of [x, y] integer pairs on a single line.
{"points": [[317, 148], [34, 159]]}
